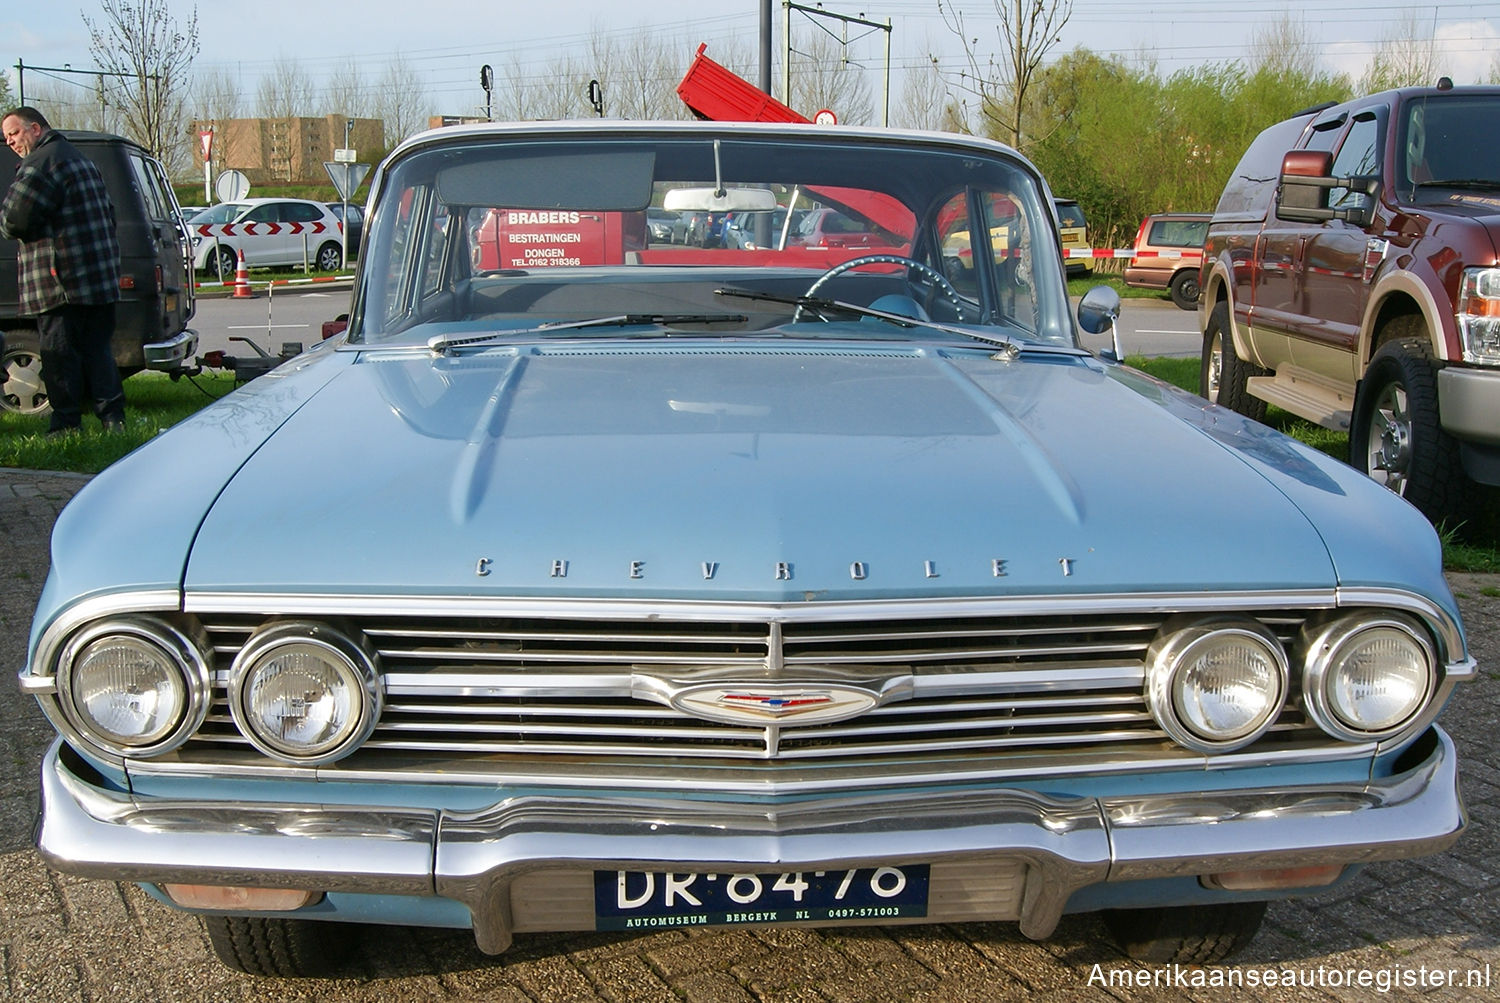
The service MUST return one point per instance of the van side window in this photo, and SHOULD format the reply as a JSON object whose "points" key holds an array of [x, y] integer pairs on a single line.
{"points": [[1358, 156], [150, 187]]}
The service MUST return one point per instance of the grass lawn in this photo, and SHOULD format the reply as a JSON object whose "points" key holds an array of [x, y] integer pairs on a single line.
{"points": [[155, 402]]}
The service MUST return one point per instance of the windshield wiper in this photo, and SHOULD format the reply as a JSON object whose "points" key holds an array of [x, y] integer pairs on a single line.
{"points": [[1479, 184], [818, 304], [441, 343]]}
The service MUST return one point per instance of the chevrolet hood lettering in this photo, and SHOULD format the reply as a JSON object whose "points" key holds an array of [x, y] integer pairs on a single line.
{"points": [[571, 470]]}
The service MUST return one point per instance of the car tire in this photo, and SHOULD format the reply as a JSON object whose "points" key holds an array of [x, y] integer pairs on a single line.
{"points": [[1184, 289], [24, 392], [1222, 375], [280, 948], [330, 258], [228, 262], [1396, 437], [1185, 935]]}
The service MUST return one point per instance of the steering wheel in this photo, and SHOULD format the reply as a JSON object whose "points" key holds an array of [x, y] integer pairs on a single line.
{"points": [[938, 278]]}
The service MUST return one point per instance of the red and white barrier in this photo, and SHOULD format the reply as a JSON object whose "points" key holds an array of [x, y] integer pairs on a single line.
{"points": [[1094, 252]]}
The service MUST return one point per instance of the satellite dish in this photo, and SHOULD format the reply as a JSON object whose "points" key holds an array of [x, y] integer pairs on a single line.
{"points": [[232, 186]]}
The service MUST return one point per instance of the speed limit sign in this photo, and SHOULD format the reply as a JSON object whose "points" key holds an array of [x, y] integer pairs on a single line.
{"points": [[826, 117]]}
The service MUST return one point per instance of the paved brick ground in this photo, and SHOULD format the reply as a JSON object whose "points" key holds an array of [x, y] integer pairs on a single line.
{"points": [[69, 939]]}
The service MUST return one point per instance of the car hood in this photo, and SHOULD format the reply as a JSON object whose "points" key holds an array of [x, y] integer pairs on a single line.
{"points": [[752, 473]]}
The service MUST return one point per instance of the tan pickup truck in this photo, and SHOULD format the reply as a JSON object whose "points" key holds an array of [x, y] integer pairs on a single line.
{"points": [[1350, 277]]}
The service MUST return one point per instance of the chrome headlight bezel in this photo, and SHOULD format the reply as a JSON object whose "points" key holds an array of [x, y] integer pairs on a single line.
{"points": [[189, 657], [1178, 649], [1325, 647], [355, 665]]}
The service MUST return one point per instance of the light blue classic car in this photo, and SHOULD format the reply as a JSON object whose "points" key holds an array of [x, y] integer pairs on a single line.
{"points": [[589, 583]]}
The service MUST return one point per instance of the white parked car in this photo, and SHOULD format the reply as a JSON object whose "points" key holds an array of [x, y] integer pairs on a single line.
{"points": [[271, 231]]}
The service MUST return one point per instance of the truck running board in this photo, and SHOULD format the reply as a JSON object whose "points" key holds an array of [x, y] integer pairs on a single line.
{"points": [[1307, 395]]}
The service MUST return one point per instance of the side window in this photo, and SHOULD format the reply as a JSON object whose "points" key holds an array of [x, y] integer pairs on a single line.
{"points": [[1359, 155], [268, 213], [158, 205], [432, 272], [297, 212], [957, 247], [1012, 237]]}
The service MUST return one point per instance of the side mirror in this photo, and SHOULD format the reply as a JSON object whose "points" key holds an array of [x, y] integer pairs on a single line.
{"points": [[1295, 192], [1098, 310], [1302, 196]]}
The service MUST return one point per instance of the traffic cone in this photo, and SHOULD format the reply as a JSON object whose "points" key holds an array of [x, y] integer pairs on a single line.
{"points": [[242, 280]]}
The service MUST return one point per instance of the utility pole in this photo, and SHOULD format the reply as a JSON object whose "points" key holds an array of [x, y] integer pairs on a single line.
{"points": [[847, 19]]}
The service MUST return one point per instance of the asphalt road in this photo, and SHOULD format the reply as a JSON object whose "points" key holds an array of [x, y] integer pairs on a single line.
{"points": [[1405, 924]]}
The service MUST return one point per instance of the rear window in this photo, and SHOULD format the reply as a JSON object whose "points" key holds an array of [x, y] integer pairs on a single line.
{"points": [[1253, 183], [1178, 232], [1069, 215]]}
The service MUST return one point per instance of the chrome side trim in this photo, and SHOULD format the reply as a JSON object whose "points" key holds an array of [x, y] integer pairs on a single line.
{"points": [[477, 858]]}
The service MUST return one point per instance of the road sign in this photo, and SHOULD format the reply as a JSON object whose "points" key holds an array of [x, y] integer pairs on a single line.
{"points": [[232, 186], [826, 117], [344, 156], [206, 140], [346, 177]]}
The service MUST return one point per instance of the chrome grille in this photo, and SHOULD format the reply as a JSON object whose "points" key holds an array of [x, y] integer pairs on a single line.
{"points": [[502, 695]]}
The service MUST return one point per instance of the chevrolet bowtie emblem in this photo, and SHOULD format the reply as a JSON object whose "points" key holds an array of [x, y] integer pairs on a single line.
{"points": [[789, 704]]}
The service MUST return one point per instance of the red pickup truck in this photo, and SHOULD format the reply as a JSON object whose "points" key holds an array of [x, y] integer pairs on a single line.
{"points": [[1350, 276]]}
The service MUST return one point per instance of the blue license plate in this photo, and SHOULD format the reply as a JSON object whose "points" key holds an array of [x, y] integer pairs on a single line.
{"points": [[645, 900]]}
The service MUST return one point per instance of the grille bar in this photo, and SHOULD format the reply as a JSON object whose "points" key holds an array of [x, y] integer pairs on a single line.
{"points": [[1063, 690]]}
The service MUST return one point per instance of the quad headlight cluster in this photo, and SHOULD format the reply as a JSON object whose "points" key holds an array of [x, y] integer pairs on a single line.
{"points": [[300, 692], [308, 692], [1217, 685]]}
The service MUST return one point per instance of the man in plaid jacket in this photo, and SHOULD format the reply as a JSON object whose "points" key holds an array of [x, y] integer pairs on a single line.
{"points": [[69, 268]]}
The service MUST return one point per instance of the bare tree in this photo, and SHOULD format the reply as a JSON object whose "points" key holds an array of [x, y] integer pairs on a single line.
{"points": [[641, 78], [1026, 30], [287, 91], [217, 97], [1407, 57], [923, 100], [347, 92], [141, 42], [1284, 48], [73, 101], [401, 101], [824, 77]]}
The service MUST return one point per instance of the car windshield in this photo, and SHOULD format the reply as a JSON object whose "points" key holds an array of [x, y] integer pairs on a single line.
{"points": [[1449, 143], [497, 231], [224, 212]]}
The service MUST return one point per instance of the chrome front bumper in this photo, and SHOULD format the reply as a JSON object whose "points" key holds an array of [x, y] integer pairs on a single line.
{"points": [[527, 863]]}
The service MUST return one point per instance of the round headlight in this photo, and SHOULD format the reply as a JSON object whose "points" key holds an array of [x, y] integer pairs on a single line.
{"points": [[304, 692], [134, 687], [1368, 679], [1214, 687]]}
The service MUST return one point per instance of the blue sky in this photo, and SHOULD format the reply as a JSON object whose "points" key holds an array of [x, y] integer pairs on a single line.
{"points": [[1175, 33]]}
